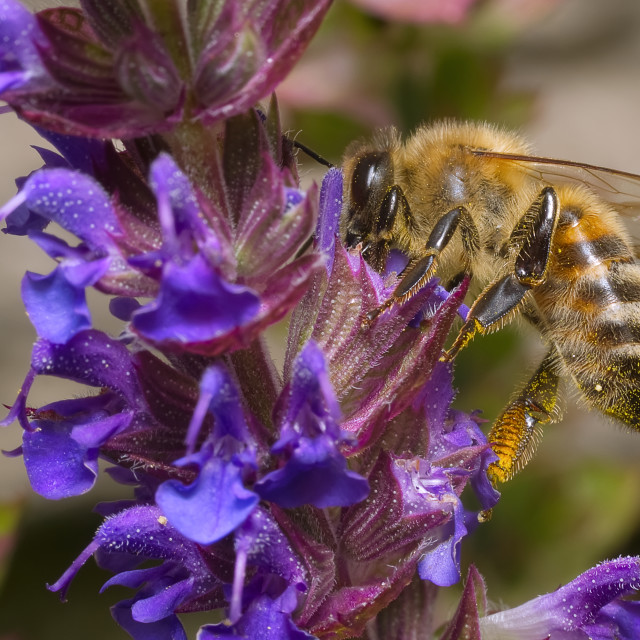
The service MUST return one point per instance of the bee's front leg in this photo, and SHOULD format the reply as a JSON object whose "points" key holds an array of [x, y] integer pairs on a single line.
{"points": [[499, 302], [419, 271]]}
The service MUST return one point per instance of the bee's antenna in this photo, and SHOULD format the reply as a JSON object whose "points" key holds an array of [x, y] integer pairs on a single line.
{"points": [[312, 154]]}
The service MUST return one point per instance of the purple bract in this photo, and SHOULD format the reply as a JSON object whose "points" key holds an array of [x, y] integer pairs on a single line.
{"points": [[115, 69]]}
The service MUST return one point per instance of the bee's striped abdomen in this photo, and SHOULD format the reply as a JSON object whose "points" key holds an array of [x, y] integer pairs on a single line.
{"points": [[591, 305]]}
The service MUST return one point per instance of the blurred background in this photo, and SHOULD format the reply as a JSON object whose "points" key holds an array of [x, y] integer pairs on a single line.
{"points": [[563, 72]]}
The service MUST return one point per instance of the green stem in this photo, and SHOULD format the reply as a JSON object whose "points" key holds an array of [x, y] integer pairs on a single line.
{"points": [[260, 382]]}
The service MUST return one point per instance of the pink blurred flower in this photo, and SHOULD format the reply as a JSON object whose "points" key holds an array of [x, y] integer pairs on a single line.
{"points": [[418, 10]]}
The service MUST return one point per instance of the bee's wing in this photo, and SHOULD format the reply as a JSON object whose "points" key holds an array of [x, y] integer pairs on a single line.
{"points": [[620, 188]]}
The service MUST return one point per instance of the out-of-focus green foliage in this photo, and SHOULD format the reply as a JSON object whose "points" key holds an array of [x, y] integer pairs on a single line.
{"points": [[47, 542], [9, 518], [552, 522]]}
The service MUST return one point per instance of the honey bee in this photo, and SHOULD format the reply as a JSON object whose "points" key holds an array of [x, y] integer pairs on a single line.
{"points": [[464, 198]]}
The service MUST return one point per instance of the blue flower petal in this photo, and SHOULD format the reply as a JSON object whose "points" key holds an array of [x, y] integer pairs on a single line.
{"points": [[57, 309], [56, 464], [127, 539], [293, 197], [310, 386], [315, 471], [213, 505], [74, 200], [61, 457], [224, 404], [265, 619], [442, 564], [20, 61], [92, 358], [195, 304], [21, 221], [619, 620], [571, 610], [329, 214], [123, 308], [269, 550], [168, 628], [135, 578], [316, 474], [83, 154], [57, 248], [56, 303], [163, 603], [178, 208]]}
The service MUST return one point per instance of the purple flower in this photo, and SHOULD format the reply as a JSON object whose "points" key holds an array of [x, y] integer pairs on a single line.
{"points": [[591, 606], [186, 260], [19, 57], [315, 472], [217, 502], [62, 441], [182, 581], [276, 568], [291, 502], [117, 71], [61, 454], [424, 494], [225, 452], [195, 305], [266, 618]]}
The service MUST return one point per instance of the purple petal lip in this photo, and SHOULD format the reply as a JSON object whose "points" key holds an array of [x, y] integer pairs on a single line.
{"points": [[211, 507], [61, 456], [216, 502], [57, 309], [195, 305], [316, 474], [574, 607], [315, 471]]}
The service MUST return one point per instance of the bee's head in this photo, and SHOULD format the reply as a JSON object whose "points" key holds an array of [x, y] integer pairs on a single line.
{"points": [[371, 204]]}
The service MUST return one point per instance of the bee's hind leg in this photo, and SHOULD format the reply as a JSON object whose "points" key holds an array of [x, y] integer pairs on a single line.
{"points": [[498, 303], [516, 433]]}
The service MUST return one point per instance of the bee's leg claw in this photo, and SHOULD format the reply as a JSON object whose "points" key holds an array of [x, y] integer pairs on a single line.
{"points": [[371, 317], [491, 309], [466, 334]]}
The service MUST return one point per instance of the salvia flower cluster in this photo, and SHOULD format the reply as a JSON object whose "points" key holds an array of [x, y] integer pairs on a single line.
{"points": [[320, 499]]}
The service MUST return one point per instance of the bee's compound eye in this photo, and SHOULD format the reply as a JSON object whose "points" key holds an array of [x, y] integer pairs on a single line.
{"points": [[372, 174]]}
